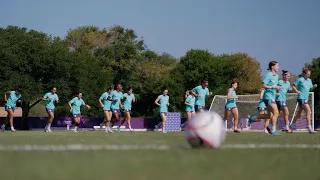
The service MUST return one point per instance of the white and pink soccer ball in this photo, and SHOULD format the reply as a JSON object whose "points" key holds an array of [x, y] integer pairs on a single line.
{"points": [[205, 129]]}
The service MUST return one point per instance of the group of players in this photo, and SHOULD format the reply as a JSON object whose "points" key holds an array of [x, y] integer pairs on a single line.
{"points": [[273, 98], [113, 102]]}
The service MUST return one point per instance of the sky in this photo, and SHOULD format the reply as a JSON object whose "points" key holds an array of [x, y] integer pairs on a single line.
{"points": [[287, 31]]}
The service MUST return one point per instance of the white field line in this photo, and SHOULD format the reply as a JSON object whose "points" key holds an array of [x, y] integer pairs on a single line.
{"points": [[81, 147]]}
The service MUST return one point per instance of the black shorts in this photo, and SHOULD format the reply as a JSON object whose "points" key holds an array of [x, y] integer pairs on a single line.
{"points": [[198, 107], [302, 102]]}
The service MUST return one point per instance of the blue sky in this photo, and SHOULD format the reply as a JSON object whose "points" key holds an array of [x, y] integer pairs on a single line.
{"points": [[287, 31]]}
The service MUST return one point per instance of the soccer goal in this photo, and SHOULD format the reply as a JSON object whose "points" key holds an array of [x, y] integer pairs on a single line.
{"points": [[248, 104]]}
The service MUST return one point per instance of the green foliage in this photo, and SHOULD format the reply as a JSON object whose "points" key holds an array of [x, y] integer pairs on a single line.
{"points": [[315, 76], [91, 59]]}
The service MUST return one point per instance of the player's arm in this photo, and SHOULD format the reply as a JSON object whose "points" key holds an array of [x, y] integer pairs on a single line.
{"points": [[261, 94], [84, 104], [6, 95], [45, 97], [100, 102], [56, 99], [270, 87], [70, 105], [194, 93], [157, 101], [186, 102], [134, 99], [295, 86]]}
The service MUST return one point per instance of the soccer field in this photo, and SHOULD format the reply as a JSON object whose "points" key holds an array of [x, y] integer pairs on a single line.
{"points": [[154, 155]]}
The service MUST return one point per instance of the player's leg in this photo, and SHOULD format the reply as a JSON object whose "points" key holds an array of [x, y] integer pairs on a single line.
{"points": [[125, 118], [128, 116], [307, 109], [298, 114], [226, 116], [189, 115], [77, 122], [164, 119], [104, 122], [116, 116], [285, 111], [273, 114], [235, 113], [3, 126], [267, 130], [109, 117], [50, 119], [10, 112]]}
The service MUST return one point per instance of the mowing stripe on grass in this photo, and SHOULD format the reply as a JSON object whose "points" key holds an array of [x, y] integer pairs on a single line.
{"points": [[81, 147]]}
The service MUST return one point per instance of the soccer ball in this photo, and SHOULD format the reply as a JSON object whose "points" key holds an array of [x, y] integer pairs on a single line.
{"points": [[205, 129]]}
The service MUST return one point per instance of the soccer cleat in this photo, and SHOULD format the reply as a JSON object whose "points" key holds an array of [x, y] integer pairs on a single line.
{"points": [[3, 127], [312, 131], [13, 130], [236, 131], [131, 130], [289, 131], [68, 127], [293, 126], [156, 127], [269, 130], [118, 128], [110, 130], [275, 133], [164, 131], [75, 130]]}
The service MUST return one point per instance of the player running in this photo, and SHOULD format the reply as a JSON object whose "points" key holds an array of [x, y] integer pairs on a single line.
{"points": [[262, 109], [189, 102], [163, 102], [128, 99], [116, 96], [200, 92], [75, 108], [270, 84], [51, 99], [281, 98], [105, 103], [11, 98], [231, 106], [302, 86]]}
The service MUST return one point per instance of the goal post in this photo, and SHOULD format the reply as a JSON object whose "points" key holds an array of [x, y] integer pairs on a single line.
{"points": [[248, 105]]}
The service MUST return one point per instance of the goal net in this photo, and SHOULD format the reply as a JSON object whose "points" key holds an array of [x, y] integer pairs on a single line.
{"points": [[248, 105]]}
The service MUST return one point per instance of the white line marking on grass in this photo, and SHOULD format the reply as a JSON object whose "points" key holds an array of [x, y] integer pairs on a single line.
{"points": [[81, 147]]}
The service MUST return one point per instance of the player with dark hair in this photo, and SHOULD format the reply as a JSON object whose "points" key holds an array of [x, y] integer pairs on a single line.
{"points": [[105, 103], [11, 98], [116, 96], [128, 99], [270, 85], [200, 92], [231, 106], [163, 102], [51, 99], [75, 108], [281, 98]]}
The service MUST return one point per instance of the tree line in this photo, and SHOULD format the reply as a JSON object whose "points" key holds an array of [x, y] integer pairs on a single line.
{"points": [[90, 59]]}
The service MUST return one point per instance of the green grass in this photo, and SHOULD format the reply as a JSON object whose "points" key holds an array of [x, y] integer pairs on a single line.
{"points": [[183, 163]]}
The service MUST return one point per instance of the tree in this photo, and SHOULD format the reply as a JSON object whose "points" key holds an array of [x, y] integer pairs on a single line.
{"points": [[314, 66]]}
